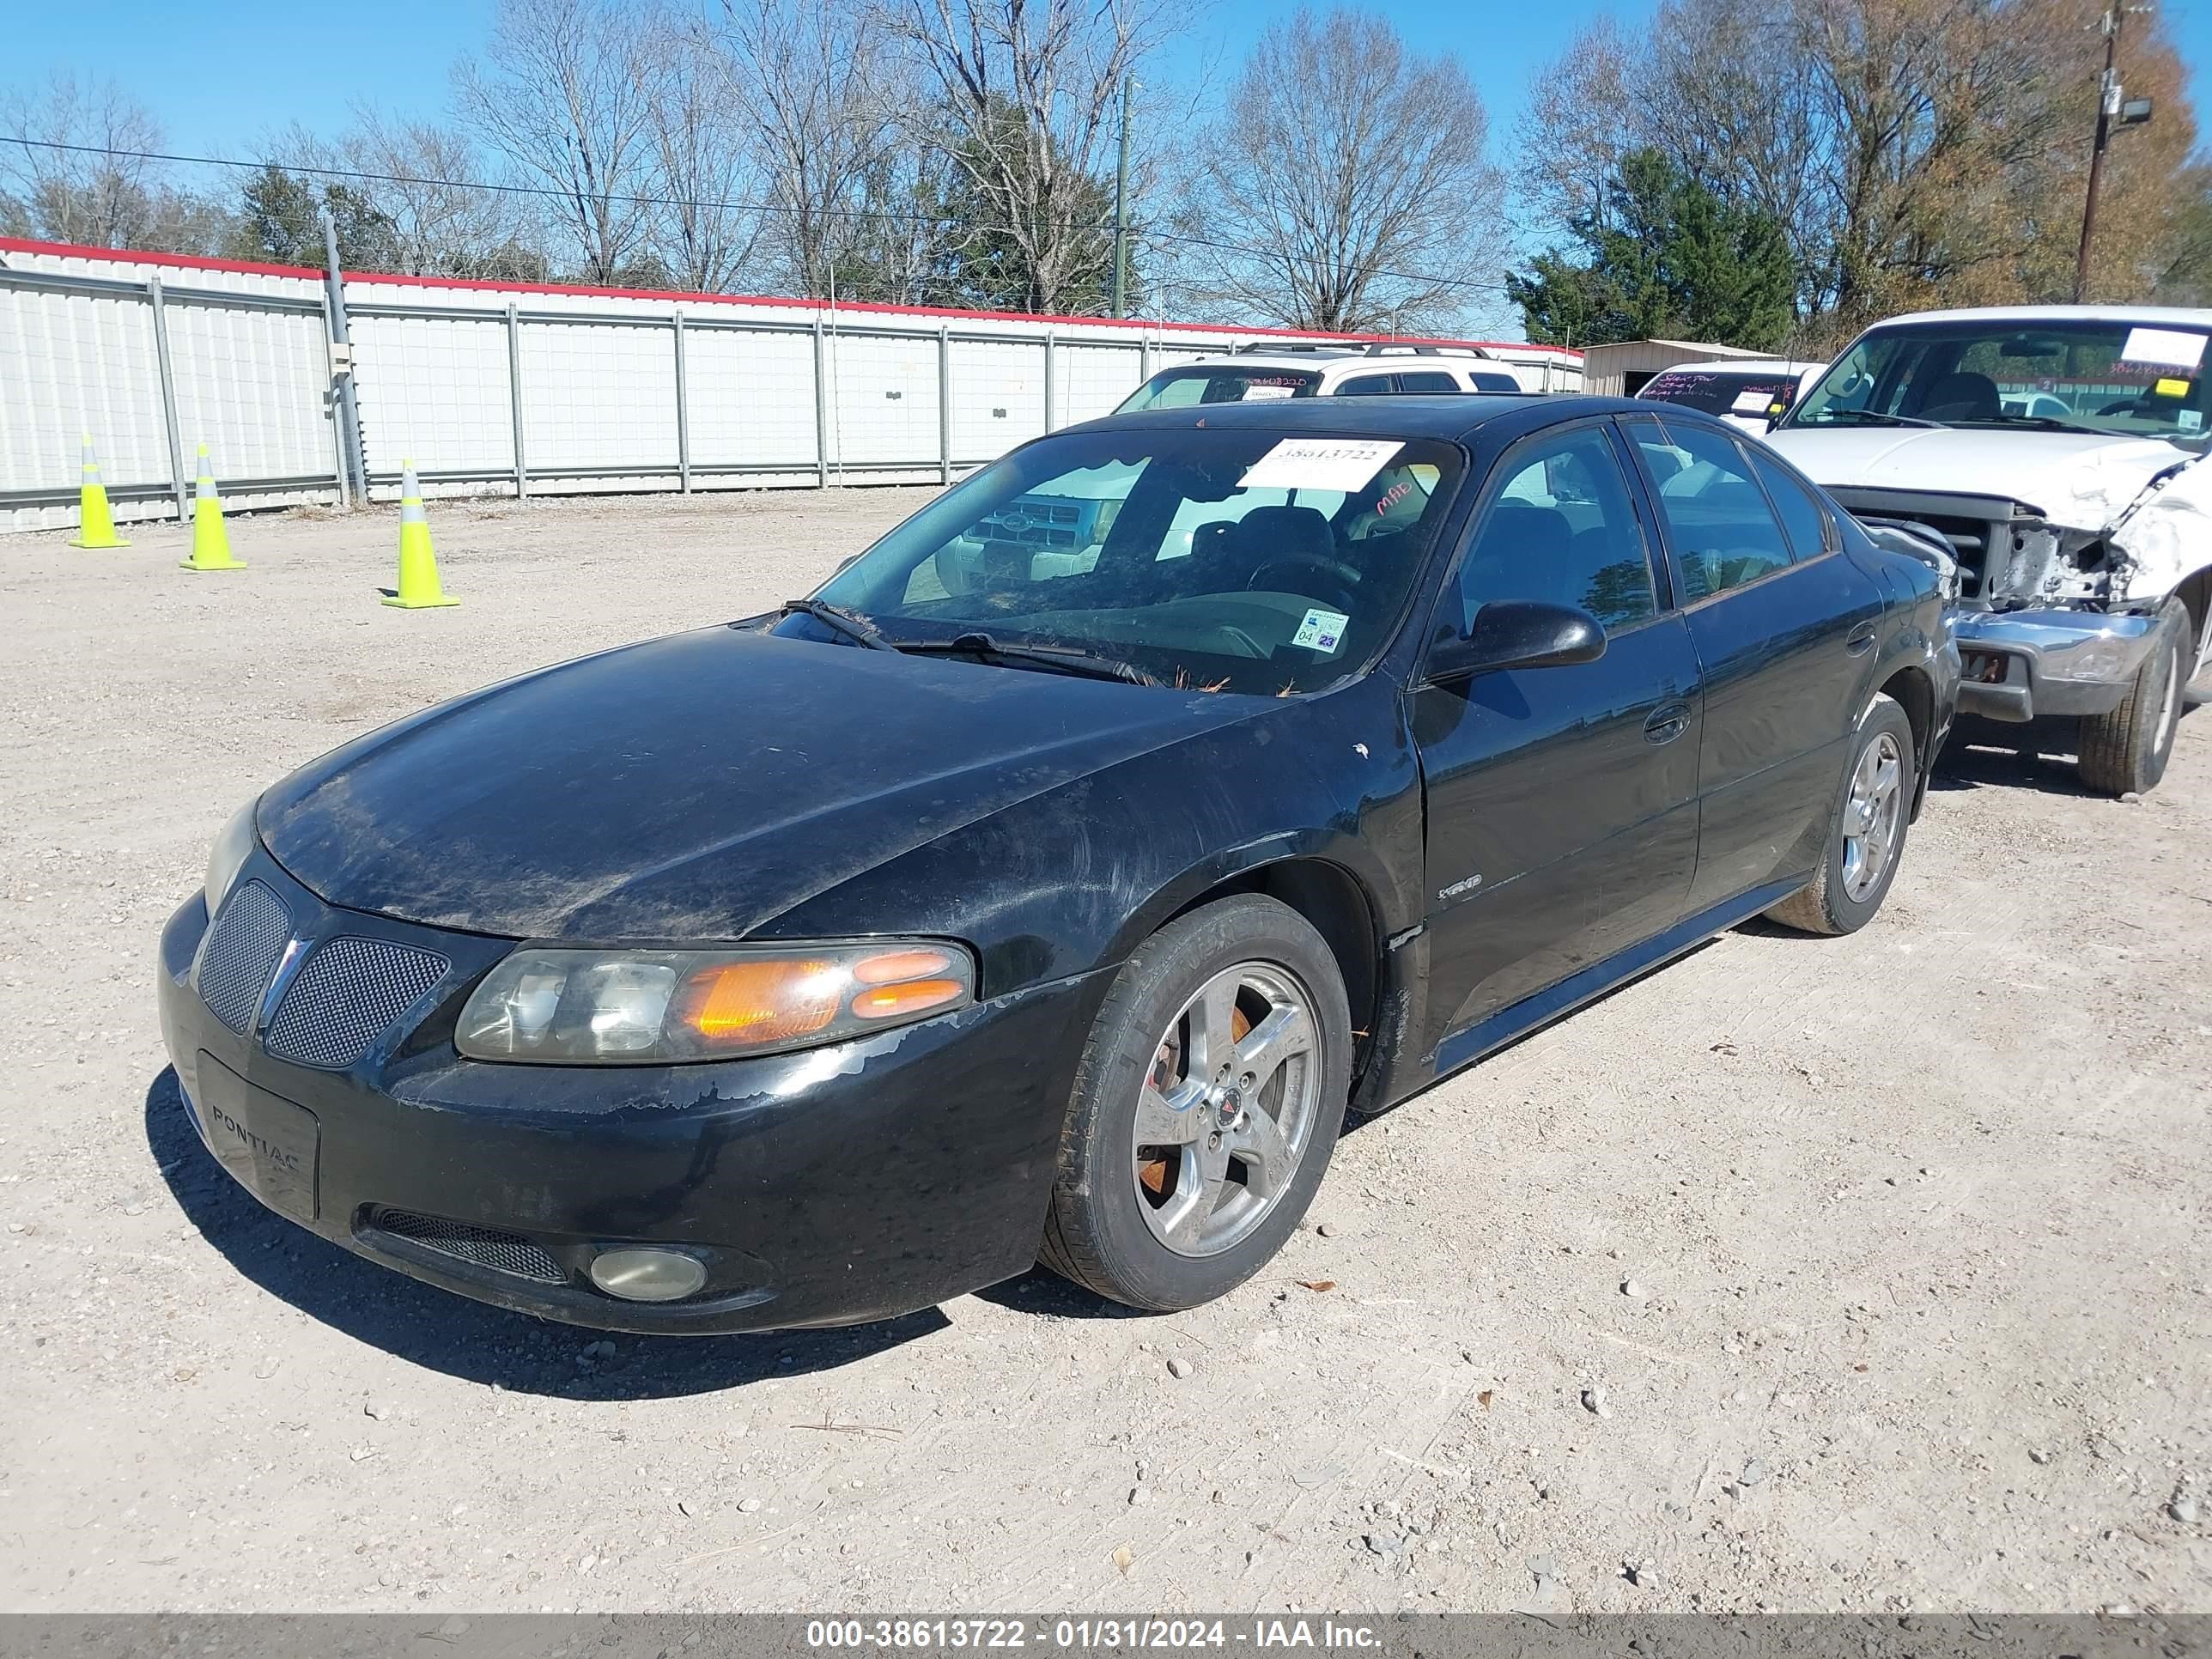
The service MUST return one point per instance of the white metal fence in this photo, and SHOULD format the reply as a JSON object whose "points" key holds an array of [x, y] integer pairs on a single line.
{"points": [[522, 390]]}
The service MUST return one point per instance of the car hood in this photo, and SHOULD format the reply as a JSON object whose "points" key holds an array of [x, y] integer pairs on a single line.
{"points": [[693, 787], [2075, 479]]}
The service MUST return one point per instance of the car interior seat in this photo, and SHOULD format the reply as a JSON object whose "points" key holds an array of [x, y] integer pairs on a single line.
{"points": [[1963, 396]]}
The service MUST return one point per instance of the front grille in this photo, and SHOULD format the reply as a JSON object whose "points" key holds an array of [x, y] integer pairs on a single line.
{"points": [[240, 956], [346, 996], [481, 1247]]}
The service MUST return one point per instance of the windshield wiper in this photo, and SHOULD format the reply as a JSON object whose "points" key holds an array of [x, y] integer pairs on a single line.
{"points": [[838, 620], [1870, 417], [1071, 659], [2040, 422]]}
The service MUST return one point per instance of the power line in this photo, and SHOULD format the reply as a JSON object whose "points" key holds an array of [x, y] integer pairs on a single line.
{"points": [[771, 209]]}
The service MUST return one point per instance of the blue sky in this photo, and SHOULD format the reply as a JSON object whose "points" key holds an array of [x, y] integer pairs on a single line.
{"points": [[221, 77]]}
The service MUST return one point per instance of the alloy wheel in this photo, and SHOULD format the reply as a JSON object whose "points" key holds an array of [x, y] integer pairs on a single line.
{"points": [[1228, 1108], [1871, 815]]}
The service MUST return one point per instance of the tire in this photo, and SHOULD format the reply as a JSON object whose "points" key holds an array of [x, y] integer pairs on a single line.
{"points": [[2125, 752], [1841, 898], [1114, 1207]]}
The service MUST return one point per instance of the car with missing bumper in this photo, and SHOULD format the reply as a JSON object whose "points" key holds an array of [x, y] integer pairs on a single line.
{"points": [[2057, 454], [987, 905]]}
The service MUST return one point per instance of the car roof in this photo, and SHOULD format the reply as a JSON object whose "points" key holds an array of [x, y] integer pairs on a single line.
{"points": [[2177, 315], [1451, 418]]}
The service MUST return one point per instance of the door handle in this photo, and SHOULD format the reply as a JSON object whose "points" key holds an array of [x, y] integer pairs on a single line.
{"points": [[1667, 722], [1861, 639]]}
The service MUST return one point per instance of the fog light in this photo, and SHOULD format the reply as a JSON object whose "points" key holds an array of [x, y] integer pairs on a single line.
{"points": [[648, 1275]]}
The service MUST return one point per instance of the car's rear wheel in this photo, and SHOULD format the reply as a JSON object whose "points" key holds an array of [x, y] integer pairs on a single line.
{"points": [[1866, 830], [2125, 752], [1208, 1100]]}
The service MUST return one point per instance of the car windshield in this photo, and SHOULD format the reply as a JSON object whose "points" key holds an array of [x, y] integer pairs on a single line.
{"points": [[1258, 562], [1722, 392], [1219, 383], [2130, 379]]}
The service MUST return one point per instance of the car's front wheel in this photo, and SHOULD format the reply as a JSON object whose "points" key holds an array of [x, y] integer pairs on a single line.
{"points": [[2125, 752], [1208, 1100]]}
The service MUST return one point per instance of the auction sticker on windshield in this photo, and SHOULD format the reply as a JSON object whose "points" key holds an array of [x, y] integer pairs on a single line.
{"points": [[2166, 347], [1260, 392], [1339, 463], [1322, 631]]}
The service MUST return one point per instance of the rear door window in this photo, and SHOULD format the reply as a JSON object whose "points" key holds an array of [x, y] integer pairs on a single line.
{"points": [[1368, 386], [1724, 532], [1811, 531], [1427, 379]]}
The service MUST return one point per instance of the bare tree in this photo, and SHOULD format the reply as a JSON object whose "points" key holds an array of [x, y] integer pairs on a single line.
{"points": [[1024, 101], [424, 182], [701, 164], [1349, 181], [560, 94], [99, 189], [820, 93], [1917, 151]]}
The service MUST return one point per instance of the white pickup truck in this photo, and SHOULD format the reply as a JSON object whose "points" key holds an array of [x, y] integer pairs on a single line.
{"points": [[2058, 452]]}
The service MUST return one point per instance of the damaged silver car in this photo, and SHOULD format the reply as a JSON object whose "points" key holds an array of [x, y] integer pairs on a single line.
{"points": [[2054, 453]]}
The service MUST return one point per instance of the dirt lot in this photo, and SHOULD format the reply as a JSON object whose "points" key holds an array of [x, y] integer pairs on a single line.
{"points": [[1888, 1254]]}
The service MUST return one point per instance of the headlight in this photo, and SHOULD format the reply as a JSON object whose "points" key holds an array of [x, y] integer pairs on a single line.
{"points": [[657, 1007], [231, 849]]}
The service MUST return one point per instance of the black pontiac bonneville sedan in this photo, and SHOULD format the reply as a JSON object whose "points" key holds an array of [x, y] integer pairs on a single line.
{"points": [[1051, 881]]}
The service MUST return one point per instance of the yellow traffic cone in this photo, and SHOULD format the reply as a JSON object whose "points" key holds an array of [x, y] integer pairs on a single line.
{"points": [[418, 588], [210, 541], [95, 522]]}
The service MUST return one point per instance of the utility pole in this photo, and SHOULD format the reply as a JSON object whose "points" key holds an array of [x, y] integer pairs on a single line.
{"points": [[2113, 108], [1121, 210]]}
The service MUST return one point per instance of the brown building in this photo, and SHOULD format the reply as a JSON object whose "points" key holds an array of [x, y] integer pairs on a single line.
{"points": [[1621, 370]]}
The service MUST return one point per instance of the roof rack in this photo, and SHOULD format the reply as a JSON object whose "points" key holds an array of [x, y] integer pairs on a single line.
{"points": [[1377, 348]]}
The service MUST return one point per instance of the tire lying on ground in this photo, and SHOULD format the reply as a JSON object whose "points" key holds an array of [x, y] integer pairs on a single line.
{"points": [[1209, 1100]]}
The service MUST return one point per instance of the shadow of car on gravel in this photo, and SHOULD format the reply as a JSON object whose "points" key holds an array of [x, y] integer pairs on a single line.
{"points": [[435, 1328], [1988, 754]]}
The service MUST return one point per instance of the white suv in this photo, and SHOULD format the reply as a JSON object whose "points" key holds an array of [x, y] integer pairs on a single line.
{"points": [[1252, 375]]}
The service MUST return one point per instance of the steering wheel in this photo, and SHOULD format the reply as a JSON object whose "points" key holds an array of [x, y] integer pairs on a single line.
{"points": [[1337, 579]]}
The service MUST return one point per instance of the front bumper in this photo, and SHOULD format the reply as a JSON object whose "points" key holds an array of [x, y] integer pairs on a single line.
{"points": [[2027, 665], [836, 1186]]}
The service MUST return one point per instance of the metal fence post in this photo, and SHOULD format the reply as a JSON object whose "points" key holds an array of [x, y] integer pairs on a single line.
{"points": [[514, 399], [943, 404], [820, 411], [1049, 354], [351, 456], [169, 396], [1143, 357], [683, 416]]}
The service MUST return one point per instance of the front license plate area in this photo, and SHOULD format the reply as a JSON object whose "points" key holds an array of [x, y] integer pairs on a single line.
{"points": [[269, 1146]]}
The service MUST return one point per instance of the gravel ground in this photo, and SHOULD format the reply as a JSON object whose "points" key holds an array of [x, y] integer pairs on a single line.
{"points": [[1813, 1274]]}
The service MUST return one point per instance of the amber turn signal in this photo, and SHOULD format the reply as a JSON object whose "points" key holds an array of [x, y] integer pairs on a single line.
{"points": [[915, 997], [755, 1002]]}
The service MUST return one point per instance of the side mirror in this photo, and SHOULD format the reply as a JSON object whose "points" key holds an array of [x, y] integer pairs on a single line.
{"points": [[1520, 634]]}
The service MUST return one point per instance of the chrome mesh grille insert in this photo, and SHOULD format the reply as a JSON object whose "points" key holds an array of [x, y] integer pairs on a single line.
{"points": [[240, 953], [483, 1247], [346, 996]]}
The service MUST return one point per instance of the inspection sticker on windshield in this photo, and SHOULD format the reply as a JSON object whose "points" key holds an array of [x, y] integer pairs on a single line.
{"points": [[1321, 631], [1340, 463], [2166, 347]]}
